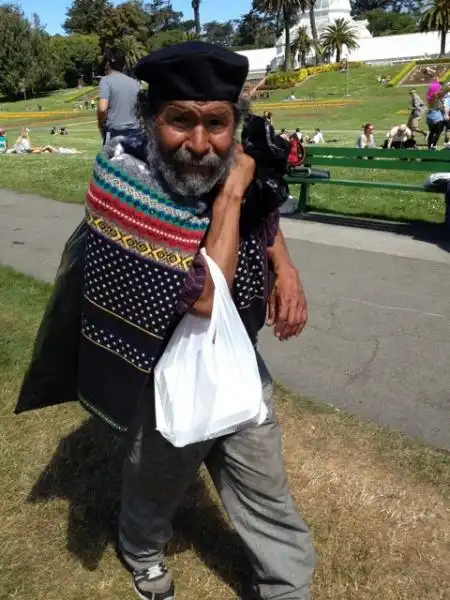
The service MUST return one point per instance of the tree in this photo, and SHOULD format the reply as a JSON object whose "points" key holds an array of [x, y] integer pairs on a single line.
{"points": [[337, 35], [303, 44], [390, 23], [437, 18], [133, 50], [42, 73], [219, 33], [83, 16], [196, 7], [287, 11], [162, 17], [256, 30], [309, 5], [126, 19], [76, 56], [167, 38], [412, 7]]}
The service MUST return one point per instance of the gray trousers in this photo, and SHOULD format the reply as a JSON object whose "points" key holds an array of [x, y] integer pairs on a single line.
{"points": [[247, 470]]}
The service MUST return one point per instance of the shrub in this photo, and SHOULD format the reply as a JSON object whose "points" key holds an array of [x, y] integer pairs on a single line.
{"points": [[285, 79], [433, 61], [80, 93], [402, 73]]}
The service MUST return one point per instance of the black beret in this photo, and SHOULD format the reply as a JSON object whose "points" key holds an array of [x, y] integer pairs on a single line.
{"points": [[193, 71]]}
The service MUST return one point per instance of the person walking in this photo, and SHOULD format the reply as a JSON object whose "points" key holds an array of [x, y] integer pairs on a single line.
{"points": [[116, 111], [435, 115], [416, 113], [150, 209]]}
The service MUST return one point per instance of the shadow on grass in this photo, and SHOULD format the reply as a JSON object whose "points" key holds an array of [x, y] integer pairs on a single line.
{"points": [[434, 233], [86, 471]]}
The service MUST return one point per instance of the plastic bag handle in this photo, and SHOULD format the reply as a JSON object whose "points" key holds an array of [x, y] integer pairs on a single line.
{"points": [[221, 290]]}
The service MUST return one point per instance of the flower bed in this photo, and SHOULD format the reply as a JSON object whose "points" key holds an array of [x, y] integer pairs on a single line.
{"points": [[35, 115], [287, 79], [290, 104]]}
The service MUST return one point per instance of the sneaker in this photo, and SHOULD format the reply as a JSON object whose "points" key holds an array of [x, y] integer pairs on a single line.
{"points": [[154, 583]]}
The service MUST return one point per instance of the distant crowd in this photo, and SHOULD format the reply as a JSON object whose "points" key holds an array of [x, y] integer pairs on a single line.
{"points": [[435, 109]]}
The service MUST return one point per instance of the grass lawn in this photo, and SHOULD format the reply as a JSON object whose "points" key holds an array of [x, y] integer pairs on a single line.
{"points": [[378, 504], [65, 177]]}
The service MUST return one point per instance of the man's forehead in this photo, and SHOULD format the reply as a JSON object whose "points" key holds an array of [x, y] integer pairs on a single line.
{"points": [[201, 107]]}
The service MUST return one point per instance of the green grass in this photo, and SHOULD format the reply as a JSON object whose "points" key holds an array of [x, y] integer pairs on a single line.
{"points": [[65, 178], [378, 504], [58, 100]]}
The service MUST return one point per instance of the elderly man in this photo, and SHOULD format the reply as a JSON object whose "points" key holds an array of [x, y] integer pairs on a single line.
{"points": [[398, 137], [150, 208]]}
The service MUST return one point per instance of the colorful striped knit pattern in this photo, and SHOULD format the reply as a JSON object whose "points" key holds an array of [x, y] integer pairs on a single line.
{"points": [[140, 247]]}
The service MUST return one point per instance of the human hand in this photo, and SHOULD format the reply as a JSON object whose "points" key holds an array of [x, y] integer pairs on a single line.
{"points": [[287, 308], [240, 175]]}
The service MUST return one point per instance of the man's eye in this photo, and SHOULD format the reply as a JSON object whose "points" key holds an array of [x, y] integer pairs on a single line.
{"points": [[216, 123], [180, 120]]}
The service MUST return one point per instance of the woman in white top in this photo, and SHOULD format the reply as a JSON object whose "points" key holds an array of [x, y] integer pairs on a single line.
{"points": [[366, 139], [23, 144]]}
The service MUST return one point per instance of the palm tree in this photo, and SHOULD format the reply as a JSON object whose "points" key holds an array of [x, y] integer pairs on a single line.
{"points": [[309, 5], [437, 18], [196, 7], [132, 49], [286, 9], [303, 44], [337, 35]]}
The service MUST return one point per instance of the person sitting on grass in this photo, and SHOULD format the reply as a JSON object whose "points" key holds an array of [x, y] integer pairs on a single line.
{"points": [[318, 137], [23, 143], [3, 141], [366, 139], [397, 137], [23, 146]]}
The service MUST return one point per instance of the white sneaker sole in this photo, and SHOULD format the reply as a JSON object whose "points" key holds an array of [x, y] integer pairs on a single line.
{"points": [[142, 597]]}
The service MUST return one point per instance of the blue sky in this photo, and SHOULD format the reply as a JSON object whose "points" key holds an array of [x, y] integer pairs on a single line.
{"points": [[52, 12]]}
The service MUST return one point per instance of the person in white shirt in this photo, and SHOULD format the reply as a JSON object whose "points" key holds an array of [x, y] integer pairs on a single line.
{"points": [[397, 137], [366, 139], [318, 138], [23, 143]]}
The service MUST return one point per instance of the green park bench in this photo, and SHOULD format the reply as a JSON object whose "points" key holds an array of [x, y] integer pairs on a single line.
{"points": [[324, 157]]}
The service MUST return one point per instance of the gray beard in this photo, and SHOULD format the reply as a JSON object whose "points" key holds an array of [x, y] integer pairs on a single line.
{"points": [[188, 184]]}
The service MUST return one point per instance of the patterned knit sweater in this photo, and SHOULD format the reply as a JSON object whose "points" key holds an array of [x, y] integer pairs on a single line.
{"points": [[141, 266]]}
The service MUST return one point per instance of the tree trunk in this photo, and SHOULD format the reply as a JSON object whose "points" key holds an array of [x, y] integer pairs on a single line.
{"points": [[443, 42], [338, 55], [196, 7], [287, 40], [303, 58], [312, 22]]}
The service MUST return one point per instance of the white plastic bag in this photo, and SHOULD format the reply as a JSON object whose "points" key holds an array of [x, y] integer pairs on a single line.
{"points": [[207, 382]]}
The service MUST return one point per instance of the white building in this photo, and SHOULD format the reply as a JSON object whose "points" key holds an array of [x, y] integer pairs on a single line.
{"points": [[385, 49]]}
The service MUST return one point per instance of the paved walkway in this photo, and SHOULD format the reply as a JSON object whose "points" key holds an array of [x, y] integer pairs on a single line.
{"points": [[378, 341]]}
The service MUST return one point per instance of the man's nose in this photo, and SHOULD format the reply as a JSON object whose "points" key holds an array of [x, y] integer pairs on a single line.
{"points": [[198, 143]]}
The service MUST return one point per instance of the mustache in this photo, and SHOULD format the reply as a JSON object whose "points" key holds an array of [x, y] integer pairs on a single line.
{"points": [[182, 157]]}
